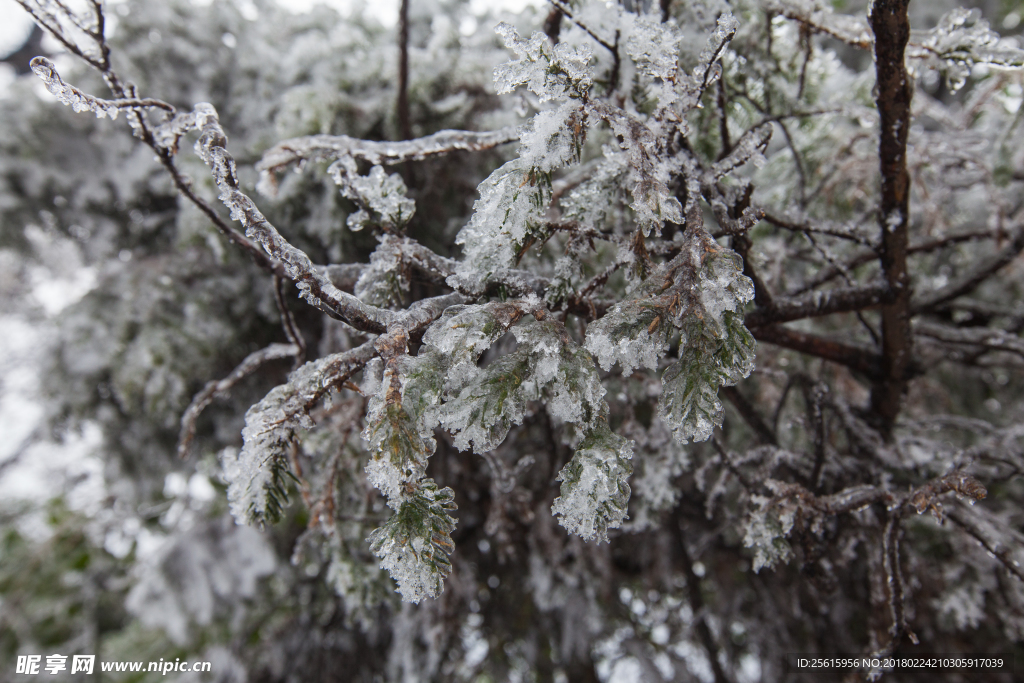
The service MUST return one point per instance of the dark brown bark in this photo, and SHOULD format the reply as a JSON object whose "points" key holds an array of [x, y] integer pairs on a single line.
{"points": [[891, 26], [819, 303], [553, 25], [404, 126], [856, 358]]}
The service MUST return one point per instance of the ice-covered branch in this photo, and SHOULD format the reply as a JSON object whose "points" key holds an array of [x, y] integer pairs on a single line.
{"points": [[857, 357], [217, 388], [981, 271], [257, 474], [82, 101], [313, 284], [821, 18], [333, 147], [67, 27]]}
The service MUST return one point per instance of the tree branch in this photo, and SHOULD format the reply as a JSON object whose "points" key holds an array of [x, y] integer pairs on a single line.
{"points": [[404, 127], [217, 388], [858, 358], [891, 26], [984, 269], [816, 304]]}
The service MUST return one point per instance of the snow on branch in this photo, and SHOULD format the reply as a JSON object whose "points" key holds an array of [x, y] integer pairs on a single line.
{"points": [[961, 41], [820, 17]]}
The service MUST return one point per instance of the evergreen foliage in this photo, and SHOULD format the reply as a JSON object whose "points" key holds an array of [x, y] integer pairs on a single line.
{"points": [[660, 343]]}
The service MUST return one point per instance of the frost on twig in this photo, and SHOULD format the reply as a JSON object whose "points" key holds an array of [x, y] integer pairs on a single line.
{"points": [[256, 474], [961, 41], [376, 153], [211, 147], [81, 101], [819, 16], [216, 388]]}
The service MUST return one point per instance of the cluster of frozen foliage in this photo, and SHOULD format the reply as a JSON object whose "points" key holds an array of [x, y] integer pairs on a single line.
{"points": [[427, 352]]}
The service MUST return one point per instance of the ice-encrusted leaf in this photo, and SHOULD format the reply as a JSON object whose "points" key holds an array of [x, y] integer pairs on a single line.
{"points": [[565, 371], [461, 335], [398, 452], [649, 171], [593, 200], [496, 398], [765, 531], [633, 334], [594, 493], [414, 544], [514, 198], [654, 46], [723, 286], [549, 71], [689, 387], [486, 409], [380, 196]]}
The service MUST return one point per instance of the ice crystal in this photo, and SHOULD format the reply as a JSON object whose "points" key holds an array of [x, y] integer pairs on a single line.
{"points": [[548, 71]]}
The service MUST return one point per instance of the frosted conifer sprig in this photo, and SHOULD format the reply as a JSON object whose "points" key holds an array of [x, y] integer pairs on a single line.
{"points": [[256, 475], [594, 493], [495, 399], [549, 71], [414, 544]]}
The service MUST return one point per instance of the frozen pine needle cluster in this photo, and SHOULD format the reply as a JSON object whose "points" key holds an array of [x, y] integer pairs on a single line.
{"points": [[700, 286]]}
